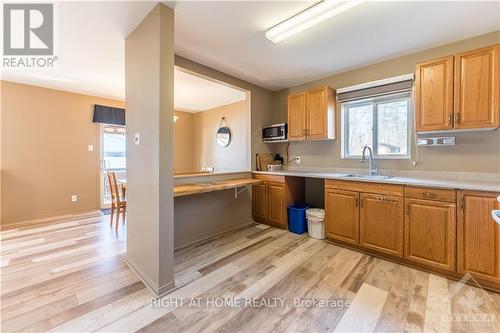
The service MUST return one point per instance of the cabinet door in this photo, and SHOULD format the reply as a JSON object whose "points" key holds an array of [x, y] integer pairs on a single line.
{"points": [[477, 88], [317, 107], [297, 116], [478, 236], [275, 203], [259, 202], [430, 233], [342, 215], [381, 223], [434, 95]]}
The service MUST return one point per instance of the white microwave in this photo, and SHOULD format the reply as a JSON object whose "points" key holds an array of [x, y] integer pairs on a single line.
{"points": [[277, 132]]}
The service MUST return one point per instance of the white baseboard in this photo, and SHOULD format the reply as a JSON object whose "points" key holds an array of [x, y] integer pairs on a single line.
{"points": [[153, 287]]}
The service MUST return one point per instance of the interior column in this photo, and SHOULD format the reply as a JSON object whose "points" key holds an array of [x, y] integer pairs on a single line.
{"points": [[149, 80]]}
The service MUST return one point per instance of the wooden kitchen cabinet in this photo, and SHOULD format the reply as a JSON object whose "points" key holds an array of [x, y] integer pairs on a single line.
{"points": [[459, 92], [311, 115], [430, 233], [342, 215], [365, 214], [297, 116], [276, 202], [381, 223], [478, 237], [434, 95], [271, 198], [259, 201], [477, 88]]}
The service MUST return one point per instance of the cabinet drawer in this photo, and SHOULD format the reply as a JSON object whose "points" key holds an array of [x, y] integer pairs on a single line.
{"points": [[431, 194], [270, 178], [365, 187]]}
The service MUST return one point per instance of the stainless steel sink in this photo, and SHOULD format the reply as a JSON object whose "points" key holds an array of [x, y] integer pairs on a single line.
{"points": [[367, 176]]}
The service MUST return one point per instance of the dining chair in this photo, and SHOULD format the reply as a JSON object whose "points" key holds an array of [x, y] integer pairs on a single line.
{"points": [[118, 200]]}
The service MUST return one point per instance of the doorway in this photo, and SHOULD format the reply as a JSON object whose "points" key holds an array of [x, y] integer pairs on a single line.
{"points": [[113, 158]]}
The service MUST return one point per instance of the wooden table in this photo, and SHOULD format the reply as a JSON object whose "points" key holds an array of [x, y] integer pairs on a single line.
{"points": [[205, 187]]}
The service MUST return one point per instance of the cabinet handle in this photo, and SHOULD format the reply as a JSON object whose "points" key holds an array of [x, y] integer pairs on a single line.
{"points": [[457, 118], [450, 118], [408, 210], [357, 202], [361, 202], [429, 194]]}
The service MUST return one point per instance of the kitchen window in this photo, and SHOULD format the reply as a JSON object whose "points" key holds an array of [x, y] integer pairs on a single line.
{"points": [[379, 122]]}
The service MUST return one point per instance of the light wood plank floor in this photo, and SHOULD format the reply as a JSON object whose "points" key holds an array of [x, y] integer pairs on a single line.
{"points": [[69, 275]]}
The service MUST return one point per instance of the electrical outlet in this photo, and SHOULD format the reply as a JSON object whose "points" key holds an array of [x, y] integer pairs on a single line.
{"points": [[74, 198], [137, 139], [297, 160]]}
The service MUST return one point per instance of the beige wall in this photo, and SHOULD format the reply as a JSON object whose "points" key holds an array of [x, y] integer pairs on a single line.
{"points": [[206, 151], [261, 103], [183, 142], [474, 152], [44, 152], [149, 91]]}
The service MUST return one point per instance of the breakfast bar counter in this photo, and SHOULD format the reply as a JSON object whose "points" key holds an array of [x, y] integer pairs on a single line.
{"points": [[212, 186]]}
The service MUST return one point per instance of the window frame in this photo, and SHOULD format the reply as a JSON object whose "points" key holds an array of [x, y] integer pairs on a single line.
{"points": [[375, 101]]}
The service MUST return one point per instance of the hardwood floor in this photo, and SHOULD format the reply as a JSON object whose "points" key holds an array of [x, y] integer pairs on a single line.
{"points": [[69, 275]]}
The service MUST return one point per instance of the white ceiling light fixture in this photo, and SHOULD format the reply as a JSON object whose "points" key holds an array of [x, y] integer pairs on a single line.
{"points": [[309, 17]]}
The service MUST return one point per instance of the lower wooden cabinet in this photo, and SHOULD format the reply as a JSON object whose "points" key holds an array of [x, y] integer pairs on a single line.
{"points": [[373, 221], [276, 201], [271, 198], [430, 233], [478, 237], [342, 215], [381, 223], [259, 201]]}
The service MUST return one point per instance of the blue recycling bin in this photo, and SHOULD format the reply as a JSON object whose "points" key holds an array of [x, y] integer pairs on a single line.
{"points": [[297, 222]]}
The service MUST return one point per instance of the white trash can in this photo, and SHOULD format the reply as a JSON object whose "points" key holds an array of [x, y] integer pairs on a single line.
{"points": [[316, 223]]}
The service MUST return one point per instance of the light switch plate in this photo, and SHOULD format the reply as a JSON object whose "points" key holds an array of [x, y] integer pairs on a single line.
{"points": [[74, 198], [91, 147]]}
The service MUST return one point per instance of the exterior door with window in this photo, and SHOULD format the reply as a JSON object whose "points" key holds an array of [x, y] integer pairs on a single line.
{"points": [[113, 158]]}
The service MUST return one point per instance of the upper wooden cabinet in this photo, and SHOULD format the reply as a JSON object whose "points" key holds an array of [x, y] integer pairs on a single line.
{"points": [[297, 119], [459, 92], [477, 88], [311, 115], [434, 94], [478, 237]]}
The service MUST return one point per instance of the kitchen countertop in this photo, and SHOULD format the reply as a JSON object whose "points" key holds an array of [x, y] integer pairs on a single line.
{"points": [[491, 186]]}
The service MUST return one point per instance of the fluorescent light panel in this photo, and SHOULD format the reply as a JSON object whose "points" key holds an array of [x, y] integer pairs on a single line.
{"points": [[310, 17]]}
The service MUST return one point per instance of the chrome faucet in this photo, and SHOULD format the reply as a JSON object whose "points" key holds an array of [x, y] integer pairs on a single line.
{"points": [[371, 168]]}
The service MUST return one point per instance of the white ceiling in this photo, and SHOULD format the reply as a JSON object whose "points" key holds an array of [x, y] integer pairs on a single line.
{"points": [[229, 36], [209, 94]]}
